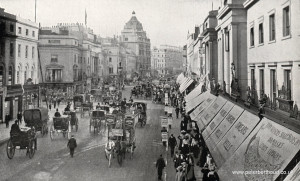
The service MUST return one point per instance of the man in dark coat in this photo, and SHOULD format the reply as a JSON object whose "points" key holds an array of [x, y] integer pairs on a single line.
{"points": [[160, 165], [57, 114], [183, 125], [15, 127], [19, 117], [177, 111], [172, 144], [177, 160], [72, 145], [7, 119]]}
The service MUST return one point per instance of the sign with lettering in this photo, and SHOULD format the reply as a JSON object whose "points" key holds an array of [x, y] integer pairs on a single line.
{"points": [[203, 107], [170, 110], [195, 102], [116, 132], [217, 119], [235, 136], [294, 174], [170, 120], [224, 126], [207, 101], [267, 151], [211, 111], [164, 136], [164, 122]]}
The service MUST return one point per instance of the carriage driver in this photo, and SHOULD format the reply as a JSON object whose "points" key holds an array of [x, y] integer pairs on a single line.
{"points": [[109, 146]]}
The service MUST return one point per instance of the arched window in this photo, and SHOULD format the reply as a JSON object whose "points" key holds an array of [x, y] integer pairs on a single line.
{"points": [[75, 72], [1, 75]]}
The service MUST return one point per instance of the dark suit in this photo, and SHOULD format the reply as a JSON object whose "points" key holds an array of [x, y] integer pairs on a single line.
{"points": [[160, 165], [72, 145]]}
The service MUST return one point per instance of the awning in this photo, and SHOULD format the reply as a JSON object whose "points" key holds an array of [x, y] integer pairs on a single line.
{"points": [[194, 93], [196, 101], [180, 78], [183, 87], [208, 99]]}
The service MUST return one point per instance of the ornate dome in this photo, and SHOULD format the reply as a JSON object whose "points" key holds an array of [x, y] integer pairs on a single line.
{"points": [[134, 23]]}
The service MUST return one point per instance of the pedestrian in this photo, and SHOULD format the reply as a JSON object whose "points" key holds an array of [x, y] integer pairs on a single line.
{"points": [[177, 111], [172, 144], [54, 103], [190, 174], [58, 102], [183, 125], [19, 117], [176, 160], [7, 119], [72, 145], [50, 106], [212, 174], [205, 172], [178, 176], [160, 165]]}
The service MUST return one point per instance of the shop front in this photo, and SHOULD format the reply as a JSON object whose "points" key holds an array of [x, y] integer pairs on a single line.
{"points": [[13, 100]]}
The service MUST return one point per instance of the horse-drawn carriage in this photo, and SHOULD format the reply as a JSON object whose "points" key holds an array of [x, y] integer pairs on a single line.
{"points": [[97, 95], [83, 103], [74, 119], [23, 140], [141, 110], [97, 120], [120, 137], [60, 125], [37, 118]]}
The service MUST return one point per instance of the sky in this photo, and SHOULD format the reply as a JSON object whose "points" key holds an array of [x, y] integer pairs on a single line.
{"points": [[165, 21]]}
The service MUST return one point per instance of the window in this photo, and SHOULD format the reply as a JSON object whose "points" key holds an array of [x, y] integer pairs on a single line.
{"points": [[109, 59], [33, 52], [33, 33], [84, 60], [261, 33], [273, 84], [26, 51], [18, 77], [88, 60], [19, 50], [126, 39], [286, 21], [10, 74], [252, 79], [27, 32], [1, 75], [261, 81], [111, 70], [272, 27], [288, 83], [226, 40], [11, 49], [54, 58], [252, 36], [19, 30], [75, 58], [25, 76], [11, 28]]}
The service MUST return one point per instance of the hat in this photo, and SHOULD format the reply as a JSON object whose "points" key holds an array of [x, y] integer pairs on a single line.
{"points": [[72, 136], [16, 121]]}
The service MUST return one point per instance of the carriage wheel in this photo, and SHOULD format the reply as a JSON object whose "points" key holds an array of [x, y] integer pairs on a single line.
{"points": [[109, 160], [120, 158], [76, 126], [51, 132], [131, 151], [31, 149], [10, 149]]}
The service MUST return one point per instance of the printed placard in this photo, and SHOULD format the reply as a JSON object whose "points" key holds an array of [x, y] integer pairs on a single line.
{"points": [[170, 110], [225, 125], [209, 113], [164, 121], [194, 93], [210, 99], [198, 100], [164, 136], [266, 152], [235, 136], [170, 120], [217, 119], [116, 132]]}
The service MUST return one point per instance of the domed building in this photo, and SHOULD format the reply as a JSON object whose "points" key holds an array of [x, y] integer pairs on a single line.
{"points": [[135, 38]]}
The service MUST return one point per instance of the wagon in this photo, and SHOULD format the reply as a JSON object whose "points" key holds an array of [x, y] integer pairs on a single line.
{"points": [[60, 125], [74, 119], [86, 107], [141, 109], [130, 134], [97, 120], [37, 118], [24, 140]]}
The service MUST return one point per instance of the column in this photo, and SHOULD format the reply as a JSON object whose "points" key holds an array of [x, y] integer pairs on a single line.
{"points": [[210, 61]]}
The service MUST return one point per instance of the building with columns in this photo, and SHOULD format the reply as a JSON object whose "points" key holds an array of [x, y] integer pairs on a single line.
{"points": [[232, 48], [18, 64], [71, 57], [273, 43], [135, 38], [209, 45]]}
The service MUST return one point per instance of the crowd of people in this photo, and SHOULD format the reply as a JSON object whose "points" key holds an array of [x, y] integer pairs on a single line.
{"points": [[189, 145]]}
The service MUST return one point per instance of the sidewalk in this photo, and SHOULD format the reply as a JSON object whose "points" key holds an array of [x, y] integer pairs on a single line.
{"points": [[175, 130]]}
